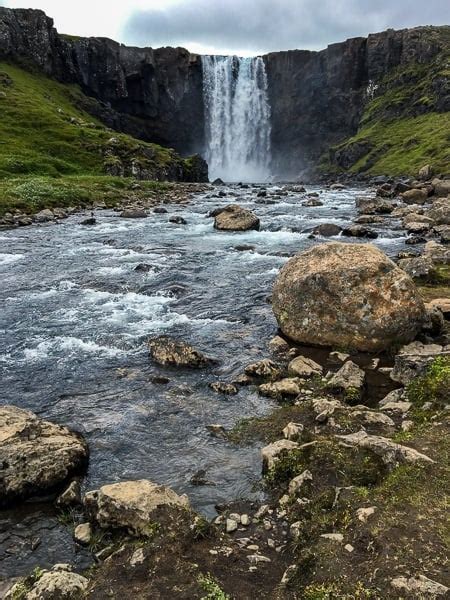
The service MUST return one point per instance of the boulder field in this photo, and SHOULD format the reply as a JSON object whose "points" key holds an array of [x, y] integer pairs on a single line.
{"points": [[347, 295]]}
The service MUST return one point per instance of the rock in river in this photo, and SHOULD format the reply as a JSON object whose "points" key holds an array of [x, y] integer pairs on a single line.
{"points": [[168, 351], [347, 295], [36, 456], [236, 218], [131, 504]]}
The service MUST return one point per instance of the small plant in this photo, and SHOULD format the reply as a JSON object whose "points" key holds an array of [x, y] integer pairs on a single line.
{"points": [[213, 589]]}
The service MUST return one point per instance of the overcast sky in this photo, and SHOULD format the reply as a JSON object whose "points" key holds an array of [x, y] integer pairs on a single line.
{"points": [[245, 27]]}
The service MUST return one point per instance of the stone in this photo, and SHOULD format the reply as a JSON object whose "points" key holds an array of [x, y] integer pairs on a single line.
{"points": [[364, 514], [440, 211], [426, 172], [133, 213], [349, 548], [392, 454], [312, 202], [231, 525], [338, 357], [167, 351], [217, 430], [278, 345], [443, 304], [199, 479], [83, 533], [271, 453], [37, 456], [334, 537], [57, 584], [89, 221], [416, 228], [420, 587], [235, 218], [71, 496], [441, 187], [221, 387], [43, 216], [177, 220], [327, 230], [296, 484], [359, 231], [438, 253], [131, 504], [415, 196], [304, 367], [413, 360], [293, 431], [160, 210], [370, 206], [263, 369], [346, 295], [420, 267], [349, 382], [285, 388]]}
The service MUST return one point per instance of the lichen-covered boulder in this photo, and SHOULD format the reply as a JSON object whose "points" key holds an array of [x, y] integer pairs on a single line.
{"points": [[131, 504], [167, 351], [236, 218], [348, 296], [36, 457]]}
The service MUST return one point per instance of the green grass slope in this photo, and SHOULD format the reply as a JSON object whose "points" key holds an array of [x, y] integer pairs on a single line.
{"points": [[404, 125], [53, 153]]}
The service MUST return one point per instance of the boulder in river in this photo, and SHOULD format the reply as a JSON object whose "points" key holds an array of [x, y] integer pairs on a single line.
{"points": [[168, 351], [133, 213], [37, 456], [327, 230], [347, 296], [131, 504], [236, 218], [359, 231]]}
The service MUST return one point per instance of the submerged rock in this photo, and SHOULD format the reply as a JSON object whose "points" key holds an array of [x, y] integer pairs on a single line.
{"points": [[37, 456], [131, 504], [165, 351], [236, 218], [347, 295]]}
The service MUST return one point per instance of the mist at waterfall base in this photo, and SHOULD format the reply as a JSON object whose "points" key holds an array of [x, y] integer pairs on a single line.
{"points": [[237, 118]]}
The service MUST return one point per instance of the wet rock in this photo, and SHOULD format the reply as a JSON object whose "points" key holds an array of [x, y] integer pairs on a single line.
{"points": [[37, 456], [218, 181], [440, 211], [160, 380], [371, 206], [71, 496], [133, 213], [217, 430], [337, 186], [312, 202], [43, 216], [131, 504], [392, 454], [338, 357], [221, 387], [177, 220], [168, 351], [304, 367], [199, 479], [348, 382], [263, 369], [278, 345], [327, 230], [160, 210], [359, 231], [369, 219], [441, 187], [415, 196], [420, 587], [143, 268], [420, 267], [244, 248], [271, 453], [413, 360], [235, 218], [346, 295], [58, 584], [83, 533], [285, 388], [89, 221]]}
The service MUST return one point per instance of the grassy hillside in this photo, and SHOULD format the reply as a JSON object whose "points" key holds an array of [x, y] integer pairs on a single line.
{"points": [[54, 153], [404, 124]]}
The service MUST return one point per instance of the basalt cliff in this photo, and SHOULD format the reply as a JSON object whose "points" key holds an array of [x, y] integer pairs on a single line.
{"points": [[326, 105]]}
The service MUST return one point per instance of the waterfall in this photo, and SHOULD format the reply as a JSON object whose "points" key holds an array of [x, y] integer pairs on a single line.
{"points": [[237, 118]]}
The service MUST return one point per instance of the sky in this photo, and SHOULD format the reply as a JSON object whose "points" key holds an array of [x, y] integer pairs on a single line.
{"points": [[244, 27]]}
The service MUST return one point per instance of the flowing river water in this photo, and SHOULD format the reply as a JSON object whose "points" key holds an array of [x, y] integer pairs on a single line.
{"points": [[74, 324]]}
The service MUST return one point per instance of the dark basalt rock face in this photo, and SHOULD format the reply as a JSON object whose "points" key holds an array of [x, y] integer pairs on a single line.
{"points": [[154, 95], [316, 98]]}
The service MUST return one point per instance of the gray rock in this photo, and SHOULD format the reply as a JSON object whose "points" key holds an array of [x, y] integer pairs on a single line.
{"points": [[349, 382], [236, 218], [165, 350], [413, 360]]}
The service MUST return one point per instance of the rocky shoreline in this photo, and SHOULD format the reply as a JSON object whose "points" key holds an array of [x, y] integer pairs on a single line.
{"points": [[352, 460]]}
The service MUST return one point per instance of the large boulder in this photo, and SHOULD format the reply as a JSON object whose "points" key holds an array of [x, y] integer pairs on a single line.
{"points": [[415, 196], [167, 351], [236, 218], [36, 457], [347, 296], [131, 504], [441, 187]]}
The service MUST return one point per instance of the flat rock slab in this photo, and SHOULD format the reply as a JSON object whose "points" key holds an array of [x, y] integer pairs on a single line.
{"points": [[37, 456]]}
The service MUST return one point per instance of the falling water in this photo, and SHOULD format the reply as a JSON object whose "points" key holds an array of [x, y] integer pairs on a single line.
{"points": [[237, 117]]}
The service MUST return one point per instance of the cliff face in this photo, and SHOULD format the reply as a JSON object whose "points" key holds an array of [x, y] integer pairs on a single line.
{"points": [[318, 99], [151, 94]]}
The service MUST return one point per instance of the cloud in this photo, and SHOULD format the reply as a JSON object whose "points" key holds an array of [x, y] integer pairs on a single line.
{"points": [[256, 26]]}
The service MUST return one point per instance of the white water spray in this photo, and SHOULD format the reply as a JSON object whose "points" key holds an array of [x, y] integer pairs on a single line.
{"points": [[237, 118]]}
